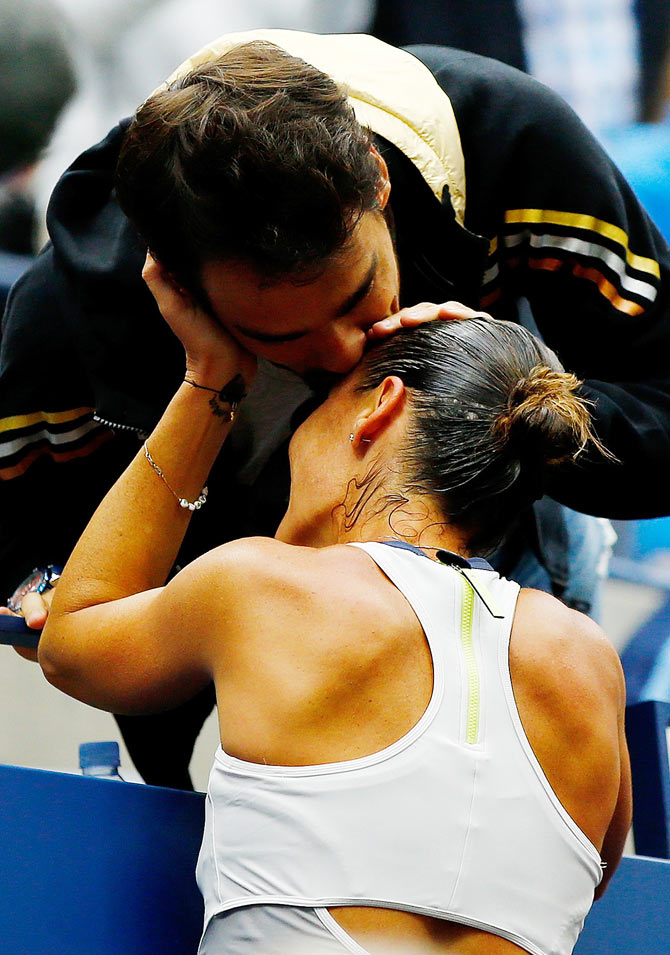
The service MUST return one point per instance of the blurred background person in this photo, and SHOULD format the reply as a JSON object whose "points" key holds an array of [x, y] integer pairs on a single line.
{"points": [[607, 58], [36, 80]]}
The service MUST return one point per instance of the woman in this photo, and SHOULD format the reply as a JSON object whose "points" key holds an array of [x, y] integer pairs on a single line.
{"points": [[415, 757]]}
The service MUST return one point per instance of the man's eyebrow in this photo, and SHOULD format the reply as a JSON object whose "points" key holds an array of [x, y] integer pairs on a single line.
{"points": [[347, 306]]}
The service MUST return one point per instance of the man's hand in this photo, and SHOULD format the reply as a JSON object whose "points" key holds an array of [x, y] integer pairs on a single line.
{"points": [[419, 314], [213, 356], [35, 610]]}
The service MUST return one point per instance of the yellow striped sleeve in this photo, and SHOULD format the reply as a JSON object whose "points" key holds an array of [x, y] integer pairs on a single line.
{"points": [[15, 422], [589, 223]]}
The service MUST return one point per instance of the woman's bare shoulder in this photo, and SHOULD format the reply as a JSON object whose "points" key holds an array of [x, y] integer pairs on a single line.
{"points": [[251, 569], [563, 656], [547, 632], [256, 557]]}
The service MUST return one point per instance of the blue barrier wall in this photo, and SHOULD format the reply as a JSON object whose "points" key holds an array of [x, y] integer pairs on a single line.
{"points": [[633, 917], [96, 867]]}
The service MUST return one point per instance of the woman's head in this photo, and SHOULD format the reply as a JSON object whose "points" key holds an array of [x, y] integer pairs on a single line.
{"points": [[491, 414], [487, 413]]}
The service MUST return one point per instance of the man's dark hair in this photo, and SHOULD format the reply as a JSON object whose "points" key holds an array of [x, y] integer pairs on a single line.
{"points": [[255, 156]]}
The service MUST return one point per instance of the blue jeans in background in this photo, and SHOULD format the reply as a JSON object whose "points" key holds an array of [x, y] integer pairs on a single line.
{"points": [[588, 541]]}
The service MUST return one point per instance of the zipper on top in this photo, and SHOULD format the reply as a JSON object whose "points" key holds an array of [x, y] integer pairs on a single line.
{"points": [[471, 668]]}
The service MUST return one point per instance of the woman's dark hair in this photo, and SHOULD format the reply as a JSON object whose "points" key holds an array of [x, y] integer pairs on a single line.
{"points": [[492, 414], [255, 156]]}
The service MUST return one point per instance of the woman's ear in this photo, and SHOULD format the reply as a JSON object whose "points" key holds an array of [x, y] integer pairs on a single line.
{"points": [[386, 402]]}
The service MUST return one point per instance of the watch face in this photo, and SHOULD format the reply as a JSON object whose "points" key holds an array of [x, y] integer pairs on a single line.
{"points": [[34, 583]]}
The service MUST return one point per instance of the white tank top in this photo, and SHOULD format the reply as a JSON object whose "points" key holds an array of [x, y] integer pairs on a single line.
{"points": [[455, 820]]}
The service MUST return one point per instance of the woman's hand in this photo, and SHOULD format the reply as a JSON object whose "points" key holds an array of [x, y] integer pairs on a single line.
{"points": [[213, 357], [421, 313]]}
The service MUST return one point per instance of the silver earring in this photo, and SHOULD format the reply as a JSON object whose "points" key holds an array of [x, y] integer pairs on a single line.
{"points": [[351, 437]]}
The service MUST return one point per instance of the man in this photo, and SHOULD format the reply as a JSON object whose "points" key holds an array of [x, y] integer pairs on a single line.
{"points": [[265, 200]]}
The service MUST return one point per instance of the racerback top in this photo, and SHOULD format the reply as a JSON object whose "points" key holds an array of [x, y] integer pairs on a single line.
{"points": [[455, 820]]}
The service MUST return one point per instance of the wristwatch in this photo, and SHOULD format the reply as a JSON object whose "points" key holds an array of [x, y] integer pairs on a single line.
{"points": [[41, 579]]}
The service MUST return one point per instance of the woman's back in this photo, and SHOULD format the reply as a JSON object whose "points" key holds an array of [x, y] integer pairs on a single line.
{"points": [[364, 654]]}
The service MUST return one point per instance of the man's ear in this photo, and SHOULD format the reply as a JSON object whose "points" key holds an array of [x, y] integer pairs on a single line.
{"points": [[384, 189], [387, 401]]}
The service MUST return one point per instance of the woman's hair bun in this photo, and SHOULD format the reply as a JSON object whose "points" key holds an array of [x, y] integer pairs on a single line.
{"points": [[545, 418]]}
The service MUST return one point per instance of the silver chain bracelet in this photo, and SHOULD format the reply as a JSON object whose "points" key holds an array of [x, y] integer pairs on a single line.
{"points": [[191, 505]]}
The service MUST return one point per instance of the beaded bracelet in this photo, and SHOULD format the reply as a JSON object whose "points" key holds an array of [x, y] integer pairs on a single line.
{"points": [[191, 505]]}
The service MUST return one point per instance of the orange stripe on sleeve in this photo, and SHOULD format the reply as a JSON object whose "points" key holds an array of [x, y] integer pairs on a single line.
{"points": [[605, 287], [608, 290], [547, 265], [59, 457]]}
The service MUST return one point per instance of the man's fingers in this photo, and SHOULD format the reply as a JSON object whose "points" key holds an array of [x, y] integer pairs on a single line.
{"points": [[456, 311], [428, 312], [384, 328], [419, 314], [405, 318]]}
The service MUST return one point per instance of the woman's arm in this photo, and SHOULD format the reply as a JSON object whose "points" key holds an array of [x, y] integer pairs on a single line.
{"points": [[111, 594]]}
